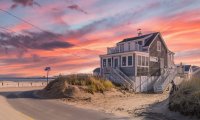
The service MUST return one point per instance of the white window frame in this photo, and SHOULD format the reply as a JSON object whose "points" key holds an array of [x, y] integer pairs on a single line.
{"points": [[107, 62], [103, 62], [110, 62], [146, 59], [158, 46], [132, 60], [126, 61]]}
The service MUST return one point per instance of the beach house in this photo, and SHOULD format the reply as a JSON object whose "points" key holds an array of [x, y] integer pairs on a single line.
{"points": [[142, 63]]}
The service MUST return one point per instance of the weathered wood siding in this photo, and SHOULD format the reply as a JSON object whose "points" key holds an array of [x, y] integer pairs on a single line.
{"points": [[154, 67]]}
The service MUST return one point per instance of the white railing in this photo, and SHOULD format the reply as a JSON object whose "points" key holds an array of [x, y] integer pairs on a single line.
{"points": [[116, 49], [169, 78], [161, 78], [165, 79], [196, 71], [112, 50], [123, 75], [122, 78]]}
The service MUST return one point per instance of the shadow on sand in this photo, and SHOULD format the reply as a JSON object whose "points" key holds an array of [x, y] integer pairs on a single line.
{"points": [[160, 111], [21, 94]]}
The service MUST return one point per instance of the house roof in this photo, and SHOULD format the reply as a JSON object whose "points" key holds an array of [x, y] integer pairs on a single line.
{"points": [[187, 67], [148, 38]]}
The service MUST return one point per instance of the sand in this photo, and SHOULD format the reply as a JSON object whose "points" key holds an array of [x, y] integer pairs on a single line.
{"points": [[118, 103], [7, 112]]}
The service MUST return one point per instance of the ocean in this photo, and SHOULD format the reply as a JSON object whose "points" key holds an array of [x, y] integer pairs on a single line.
{"points": [[26, 79]]}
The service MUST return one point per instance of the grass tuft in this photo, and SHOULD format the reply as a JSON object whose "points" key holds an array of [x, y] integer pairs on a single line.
{"points": [[187, 99], [91, 83]]}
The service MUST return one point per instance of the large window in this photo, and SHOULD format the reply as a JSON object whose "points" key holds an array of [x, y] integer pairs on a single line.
{"points": [[109, 62], [139, 60], [143, 61], [158, 46], [104, 62], [130, 60], [147, 61], [143, 66], [123, 61]]}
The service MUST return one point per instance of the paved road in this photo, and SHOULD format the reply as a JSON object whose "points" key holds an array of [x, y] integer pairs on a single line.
{"points": [[43, 109]]}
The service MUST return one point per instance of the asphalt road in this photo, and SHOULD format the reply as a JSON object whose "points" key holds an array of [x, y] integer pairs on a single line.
{"points": [[45, 109]]}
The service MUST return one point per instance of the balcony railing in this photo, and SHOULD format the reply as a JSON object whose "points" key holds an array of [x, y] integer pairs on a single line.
{"points": [[112, 50]]}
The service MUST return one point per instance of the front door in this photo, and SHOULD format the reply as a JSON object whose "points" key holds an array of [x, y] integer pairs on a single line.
{"points": [[116, 62]]}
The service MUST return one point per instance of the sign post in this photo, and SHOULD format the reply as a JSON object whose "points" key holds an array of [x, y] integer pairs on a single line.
{"points": [[47, 69]]}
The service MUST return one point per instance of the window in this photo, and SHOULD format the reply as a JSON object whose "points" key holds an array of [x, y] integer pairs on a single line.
{"points": [[129, 46], [158, 46], [104, 62], [140, 42], [130, 60], [139, 60], [123, 61], [109, 62], [147, 61], [143, 61], [122, 48]]}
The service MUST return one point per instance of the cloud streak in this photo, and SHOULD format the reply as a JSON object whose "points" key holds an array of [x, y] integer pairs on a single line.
{"points": [[32, 40], [76, 8], [24, 3]]}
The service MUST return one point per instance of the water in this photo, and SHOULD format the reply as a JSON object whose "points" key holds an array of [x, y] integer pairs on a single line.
{"points": [[26, 79]]}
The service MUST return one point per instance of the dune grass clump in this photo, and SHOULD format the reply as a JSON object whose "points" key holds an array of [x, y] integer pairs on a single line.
{"points": [[90, 83], [187, 99]]}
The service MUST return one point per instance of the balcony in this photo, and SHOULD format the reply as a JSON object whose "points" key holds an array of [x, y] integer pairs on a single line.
{"points": [[113, 50]]}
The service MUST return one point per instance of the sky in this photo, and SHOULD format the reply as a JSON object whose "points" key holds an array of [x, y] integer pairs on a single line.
{"points": [[69, 35]]}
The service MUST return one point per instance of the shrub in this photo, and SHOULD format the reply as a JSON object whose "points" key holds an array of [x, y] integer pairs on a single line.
{"points": [[187, 99]]}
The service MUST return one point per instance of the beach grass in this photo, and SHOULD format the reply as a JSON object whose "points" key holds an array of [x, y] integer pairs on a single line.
{"points": [[186, 99], [91, 83]]}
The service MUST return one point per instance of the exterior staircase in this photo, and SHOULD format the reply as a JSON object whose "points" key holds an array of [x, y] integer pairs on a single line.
{"points": [[196, 74], [117, 76], [164, 80]]}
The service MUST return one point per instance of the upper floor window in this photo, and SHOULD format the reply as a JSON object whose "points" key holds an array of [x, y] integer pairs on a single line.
{"points": [[158, 46], [140, 42], [121, 47], [129, 46]]}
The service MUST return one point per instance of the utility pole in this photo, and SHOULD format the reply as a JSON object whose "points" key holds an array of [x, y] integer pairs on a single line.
{"points": [[47, 69]]}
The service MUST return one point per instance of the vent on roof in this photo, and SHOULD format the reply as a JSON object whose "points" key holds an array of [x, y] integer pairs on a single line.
{"points": [[139, 32]]}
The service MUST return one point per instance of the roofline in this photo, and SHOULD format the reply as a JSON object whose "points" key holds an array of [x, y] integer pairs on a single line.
{"points": [[137, 52], [162, 40], [153, 40]]}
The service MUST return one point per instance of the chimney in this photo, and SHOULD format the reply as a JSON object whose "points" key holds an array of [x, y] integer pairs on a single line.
{"points": [[139, 32]]}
